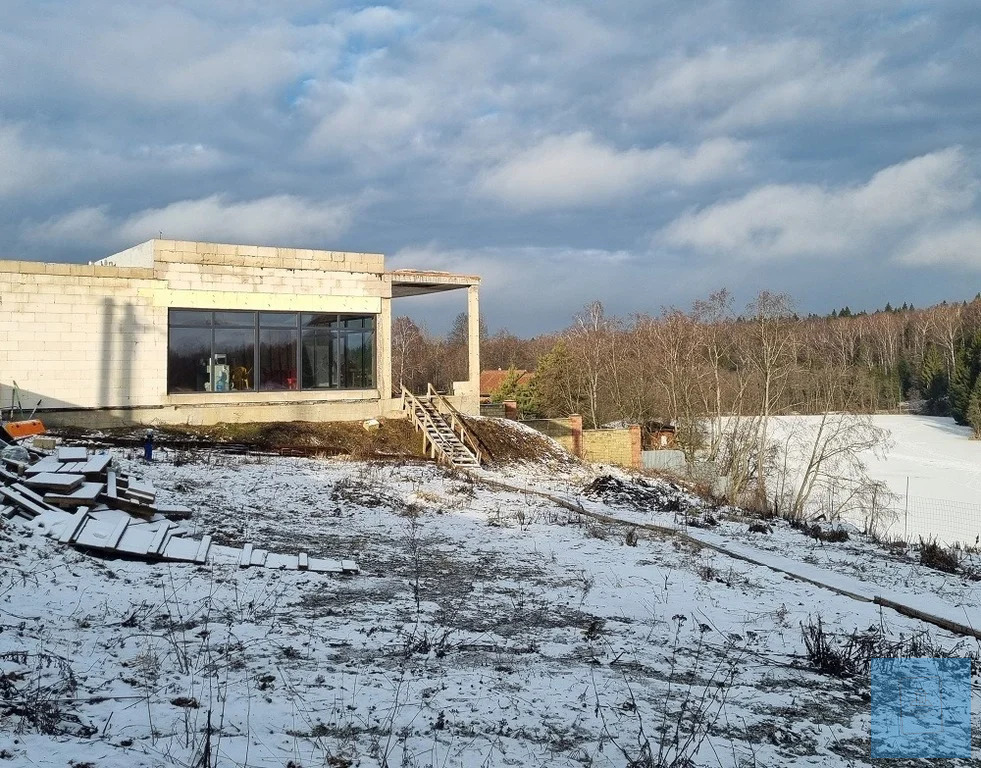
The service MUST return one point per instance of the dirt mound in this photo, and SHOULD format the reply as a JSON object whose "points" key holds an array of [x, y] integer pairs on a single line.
{"points": [[509, 442], [395, 438], [657, 495]]}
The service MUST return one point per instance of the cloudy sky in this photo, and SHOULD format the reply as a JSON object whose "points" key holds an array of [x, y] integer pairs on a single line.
{"points": [[642, 153]]}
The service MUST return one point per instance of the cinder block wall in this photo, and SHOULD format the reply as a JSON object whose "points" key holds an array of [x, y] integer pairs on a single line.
{"points": [[613, 446], [95, 336]]}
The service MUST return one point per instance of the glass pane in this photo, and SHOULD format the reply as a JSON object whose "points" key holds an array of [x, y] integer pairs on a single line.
{"points": [[277, 359], [368, 358], [319, 369], [190, 317], [234, 360], [235, 319], [277, 319], [353, 363], [369, 322], [188, 351], [317, 321]]}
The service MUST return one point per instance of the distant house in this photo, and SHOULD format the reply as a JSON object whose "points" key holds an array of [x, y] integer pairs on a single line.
{"points": [[656, 435], [491, 381]]}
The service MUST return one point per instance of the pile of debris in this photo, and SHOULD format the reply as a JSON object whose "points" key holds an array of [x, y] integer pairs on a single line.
{"points": [[654, 496], [81, 499]]}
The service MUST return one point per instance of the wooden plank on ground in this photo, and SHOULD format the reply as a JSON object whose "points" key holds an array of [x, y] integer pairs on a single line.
{"points": [[111, 484], [47, 464], [55, 481], [96, 464], [179, 548], [246, 560], [137, 538], [349, 566], [303, 562], [159, 538], [72, 454], [117, 534], [322, 565], [72, 467], [26, 506], [87, 494], [201, 556], [282, 562], [74, 526], [173, 511], [259, 557]]}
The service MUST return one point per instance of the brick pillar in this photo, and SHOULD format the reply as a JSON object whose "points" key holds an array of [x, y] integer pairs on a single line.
{"points": [[635, 446], [575, 424]]}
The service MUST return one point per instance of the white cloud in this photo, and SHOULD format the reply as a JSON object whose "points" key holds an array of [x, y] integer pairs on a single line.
{"points": [[278, 220], [959, 246], [25, 166], [802, 221], [759, 84], [576, 170]]}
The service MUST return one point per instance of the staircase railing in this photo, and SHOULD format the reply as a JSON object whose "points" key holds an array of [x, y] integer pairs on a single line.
{"points": [[467, 436], [415, 408]]}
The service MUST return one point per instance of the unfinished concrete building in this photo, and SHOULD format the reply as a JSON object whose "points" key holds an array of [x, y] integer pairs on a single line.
{"points": [[197, 333]]}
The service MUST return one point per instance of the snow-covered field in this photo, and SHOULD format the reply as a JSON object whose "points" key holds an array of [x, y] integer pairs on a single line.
{"points": [[932, 468], [488, 628]]}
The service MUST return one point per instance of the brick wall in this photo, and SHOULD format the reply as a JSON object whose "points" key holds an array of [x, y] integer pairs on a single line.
{"points": [[613, 446]]}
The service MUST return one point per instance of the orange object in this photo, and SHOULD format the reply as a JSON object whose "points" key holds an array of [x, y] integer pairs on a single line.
{"points": [[19, 429]]}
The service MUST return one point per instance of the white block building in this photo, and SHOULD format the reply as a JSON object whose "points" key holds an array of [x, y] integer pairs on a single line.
{"points": [[198, 333]]}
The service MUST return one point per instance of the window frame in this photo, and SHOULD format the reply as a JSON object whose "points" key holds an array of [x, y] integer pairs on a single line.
{"points": [[336, 331]]}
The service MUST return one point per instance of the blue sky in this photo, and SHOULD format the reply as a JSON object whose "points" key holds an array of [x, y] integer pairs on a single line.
{"points": [[639, 153]]}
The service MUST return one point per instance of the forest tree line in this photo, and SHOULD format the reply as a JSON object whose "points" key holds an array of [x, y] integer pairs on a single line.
{"points": [[713, 360]]}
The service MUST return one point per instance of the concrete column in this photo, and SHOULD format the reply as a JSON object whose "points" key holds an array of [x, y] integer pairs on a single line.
{"points": [[383, 350], [473, 342]]}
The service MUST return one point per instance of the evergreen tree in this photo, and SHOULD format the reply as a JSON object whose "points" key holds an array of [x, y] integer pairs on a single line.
{"points": [[933, 381], [888, 308], [974, 409]]}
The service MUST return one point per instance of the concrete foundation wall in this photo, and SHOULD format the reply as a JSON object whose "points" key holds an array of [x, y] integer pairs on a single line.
{"points": [[613, 446]]}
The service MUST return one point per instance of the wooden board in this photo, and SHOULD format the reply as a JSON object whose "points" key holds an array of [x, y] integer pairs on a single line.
{"points": [[303, 561], [282, 562], [25, 506], [203, 548], [111, 484], [96, 464], [160, 538], [246, 560], [55, 481], [86, 494], [179, 548], [258, 557], [138, 538], [74, 526], [47, 464], [72, 454], [173, 511]]}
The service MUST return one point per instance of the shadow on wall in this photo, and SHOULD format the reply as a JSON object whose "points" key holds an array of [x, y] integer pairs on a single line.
{"points": [[119, 335]]}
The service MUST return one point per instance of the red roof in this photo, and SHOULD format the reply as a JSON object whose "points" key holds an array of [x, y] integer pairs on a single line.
{"points": [[490, 381]]}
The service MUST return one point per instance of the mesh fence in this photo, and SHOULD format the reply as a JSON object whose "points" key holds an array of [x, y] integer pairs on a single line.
{"points": [[944, 520]]}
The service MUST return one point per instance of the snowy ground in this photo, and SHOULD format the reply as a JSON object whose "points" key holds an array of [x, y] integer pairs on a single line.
{"points": [[487, 628], [930, 465]]}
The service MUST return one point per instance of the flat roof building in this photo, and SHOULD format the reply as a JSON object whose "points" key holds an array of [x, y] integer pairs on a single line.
{"points": [[198, 333]]}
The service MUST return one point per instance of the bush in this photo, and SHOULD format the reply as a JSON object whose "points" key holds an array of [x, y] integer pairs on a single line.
{"points": [[935, 556]]}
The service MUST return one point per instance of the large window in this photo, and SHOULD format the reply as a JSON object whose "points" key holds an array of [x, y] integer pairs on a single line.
{"points": [[226, 351]]}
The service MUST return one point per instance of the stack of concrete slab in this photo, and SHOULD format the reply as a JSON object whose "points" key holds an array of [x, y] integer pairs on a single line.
{"points": [[82, 500]]}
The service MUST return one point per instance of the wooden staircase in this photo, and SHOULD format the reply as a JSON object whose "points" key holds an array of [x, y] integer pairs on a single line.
{"points": [[445, 437]]}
